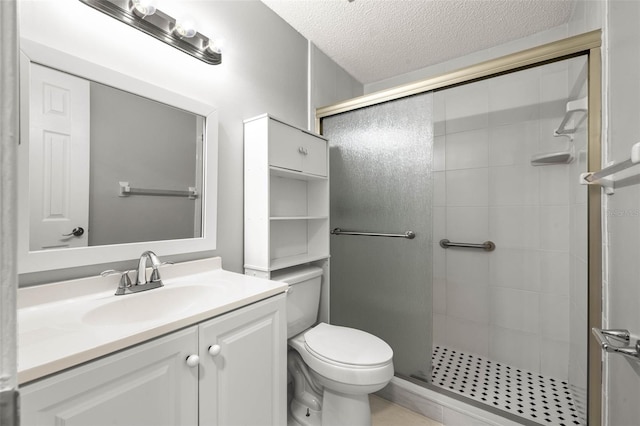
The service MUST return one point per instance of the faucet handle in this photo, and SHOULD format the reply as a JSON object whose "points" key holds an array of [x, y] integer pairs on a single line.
{"points": [[155, 274], [125, 281]]}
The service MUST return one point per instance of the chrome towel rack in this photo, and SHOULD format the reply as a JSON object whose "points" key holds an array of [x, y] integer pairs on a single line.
{"points": [[126, 190], [602, 336], [486, 246], [408, 235], [596, 178]]}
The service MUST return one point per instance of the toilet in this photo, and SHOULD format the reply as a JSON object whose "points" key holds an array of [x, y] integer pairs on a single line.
{"points": [[333, 369]]}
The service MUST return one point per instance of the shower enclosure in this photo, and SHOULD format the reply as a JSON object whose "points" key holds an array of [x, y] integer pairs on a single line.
{"points": [[492, 160]]}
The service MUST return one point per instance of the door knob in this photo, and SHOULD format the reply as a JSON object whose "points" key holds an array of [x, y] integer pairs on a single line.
{"points": [[76, 232], [214, 350], [193, 360]]}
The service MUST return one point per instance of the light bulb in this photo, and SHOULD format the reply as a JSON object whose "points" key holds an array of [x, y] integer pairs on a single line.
{"points": [[143, 7], [184, 29], [216, 46]]}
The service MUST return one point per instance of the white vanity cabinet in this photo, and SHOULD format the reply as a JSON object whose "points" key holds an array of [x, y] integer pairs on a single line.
{"points": [[286, 212], [243, 367], [239, 378], [149, 384]]}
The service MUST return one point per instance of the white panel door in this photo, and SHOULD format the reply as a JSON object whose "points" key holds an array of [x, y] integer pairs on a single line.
{"points": [[149, 385], [243, 367], [58, 158]]}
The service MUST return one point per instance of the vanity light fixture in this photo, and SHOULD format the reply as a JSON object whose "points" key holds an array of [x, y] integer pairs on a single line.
{"points": [[143, 15]]}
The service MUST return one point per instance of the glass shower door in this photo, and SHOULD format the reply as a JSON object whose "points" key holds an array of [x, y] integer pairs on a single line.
{"points": [[381, 182]]}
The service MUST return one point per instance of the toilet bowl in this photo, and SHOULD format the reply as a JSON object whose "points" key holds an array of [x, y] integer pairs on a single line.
{"points": [[333, 368]]}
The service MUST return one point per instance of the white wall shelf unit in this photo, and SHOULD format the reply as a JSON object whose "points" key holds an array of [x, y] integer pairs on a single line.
{"points": [[286, 197]]}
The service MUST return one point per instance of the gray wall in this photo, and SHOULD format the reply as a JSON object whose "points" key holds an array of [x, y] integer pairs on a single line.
{"points": [[150, 145], [264, 69]]}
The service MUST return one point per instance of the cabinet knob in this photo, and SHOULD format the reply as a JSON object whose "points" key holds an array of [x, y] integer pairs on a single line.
{"points": [[303, 150], [193, 360], [214, 350]]}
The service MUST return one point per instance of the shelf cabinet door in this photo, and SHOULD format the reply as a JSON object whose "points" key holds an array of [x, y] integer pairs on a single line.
{"points": [[149, 384], [243, 378], [293, 149], [315, 158]]}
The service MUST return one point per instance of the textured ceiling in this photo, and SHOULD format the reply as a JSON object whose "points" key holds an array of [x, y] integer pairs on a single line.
{"points": [[377, 39]]}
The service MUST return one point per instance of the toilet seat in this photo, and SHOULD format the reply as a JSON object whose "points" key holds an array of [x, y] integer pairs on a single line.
{"points": [[347, 346], [347, 373]]}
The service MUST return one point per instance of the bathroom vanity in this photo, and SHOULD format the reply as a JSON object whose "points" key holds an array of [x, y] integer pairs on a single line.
{"points": [[208, 348]]}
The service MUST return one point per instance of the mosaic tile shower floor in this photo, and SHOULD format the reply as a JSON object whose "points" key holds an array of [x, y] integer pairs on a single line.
{"points": [[543, 400]]}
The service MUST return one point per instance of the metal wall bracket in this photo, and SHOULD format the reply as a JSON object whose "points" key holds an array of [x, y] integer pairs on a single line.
{"points": [[623, 336]]}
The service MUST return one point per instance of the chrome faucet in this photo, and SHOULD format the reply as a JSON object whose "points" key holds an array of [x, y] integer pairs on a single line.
{"points": [[141, 284], [142, 269]]}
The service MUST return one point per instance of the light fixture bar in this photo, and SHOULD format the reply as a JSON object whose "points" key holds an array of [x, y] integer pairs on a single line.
{"points": [[159, 25]]}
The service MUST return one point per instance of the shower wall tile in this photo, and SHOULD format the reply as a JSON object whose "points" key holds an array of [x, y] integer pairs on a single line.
{"points": [[514, 226], [554, 227], [579, 223], [467, 150], [515, 348], [554, 358], [513, 185], [439, 329], [470, 267], [466, 108], [467, 335], [439, 153], [554, 185], [467, 187], [467, 223], [515, 309], [439, 279], [514, 98], [468, 301], [555, 272], [515, 268], [554, 317], [439, 189], [554, 90], [439, 224], [513, 143]]}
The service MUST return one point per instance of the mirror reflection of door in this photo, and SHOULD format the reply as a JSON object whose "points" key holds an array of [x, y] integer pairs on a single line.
{"points": [[59, 157]]}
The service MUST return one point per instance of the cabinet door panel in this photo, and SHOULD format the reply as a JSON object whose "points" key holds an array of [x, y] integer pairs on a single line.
{"points": [[146, 385], [245, 384], [315, 159], [284, 146]]}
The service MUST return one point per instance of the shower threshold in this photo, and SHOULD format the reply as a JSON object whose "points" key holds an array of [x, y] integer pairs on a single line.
{"points": [[518, 392]]}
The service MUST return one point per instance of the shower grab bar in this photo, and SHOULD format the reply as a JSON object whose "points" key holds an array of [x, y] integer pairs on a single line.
{"points": [[602, 336], [486, 246], [573, 107], [596, 178], [126, 190], [408, 235]]}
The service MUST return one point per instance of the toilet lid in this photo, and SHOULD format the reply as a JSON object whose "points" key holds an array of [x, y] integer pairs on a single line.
{"points": [[347, 345]]}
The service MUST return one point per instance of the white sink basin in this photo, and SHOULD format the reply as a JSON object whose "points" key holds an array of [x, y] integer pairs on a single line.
{"points": [[152, 305]]}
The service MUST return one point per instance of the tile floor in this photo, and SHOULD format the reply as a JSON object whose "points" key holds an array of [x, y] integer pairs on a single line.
{"points": [[543, 400], [385, 413]]}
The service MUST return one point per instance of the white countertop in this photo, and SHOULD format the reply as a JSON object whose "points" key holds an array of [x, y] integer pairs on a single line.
{"points": [[64, 324]]}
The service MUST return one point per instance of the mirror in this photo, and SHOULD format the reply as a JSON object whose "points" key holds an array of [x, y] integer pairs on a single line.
{"points": [[110, 165]]}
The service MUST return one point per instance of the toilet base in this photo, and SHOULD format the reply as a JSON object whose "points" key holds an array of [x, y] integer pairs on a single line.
{"points": [[305, 416], [340, 409]]}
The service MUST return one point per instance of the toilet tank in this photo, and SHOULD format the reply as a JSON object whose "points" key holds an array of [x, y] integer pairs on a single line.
{"points": [[303, 296]]}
